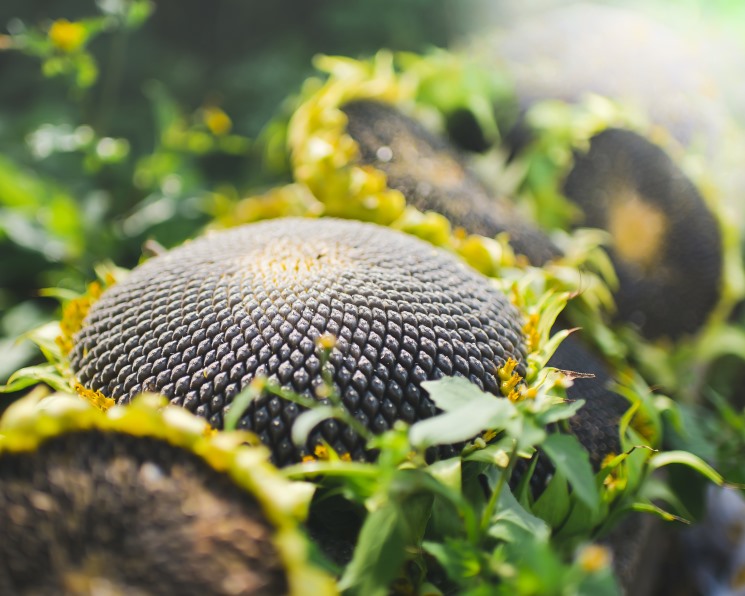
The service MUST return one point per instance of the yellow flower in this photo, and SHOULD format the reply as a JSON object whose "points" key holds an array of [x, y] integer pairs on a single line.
{"points": [[489, 435], [95, 398], [75, 311], [327, 341], [616, 480], [506, 371], [593, 558], [67, 36], [321, 451], [217, 121], [509, 380], [530, 330]]}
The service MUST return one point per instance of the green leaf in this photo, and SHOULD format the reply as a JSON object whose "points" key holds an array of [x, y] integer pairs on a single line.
{"points": [[571, 459], [495, 454], [308, 420], [45, 338], [418, 511], [452, 511], [410, 482], [463, 423], [685, 458], [467, 412], [448, 472], [523, 491], [32, 375], [553, 505], [561, 411], [581, 521], [550, 308], [655, 490], [139, 12], [725, 341], [458, 558], [652, 508], [240, 404], [452, 393], [512, 522], [378, 555], [602, 583], [525, 431], [61, 294]]}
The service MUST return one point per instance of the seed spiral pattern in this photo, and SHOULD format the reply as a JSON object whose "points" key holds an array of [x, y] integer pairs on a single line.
{"points": [[199, 323]]}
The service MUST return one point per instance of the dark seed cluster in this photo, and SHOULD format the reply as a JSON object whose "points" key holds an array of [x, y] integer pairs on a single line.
{"points": [[433, 177], [94, 512], [427, 170], [200, 322], [671, 290]]}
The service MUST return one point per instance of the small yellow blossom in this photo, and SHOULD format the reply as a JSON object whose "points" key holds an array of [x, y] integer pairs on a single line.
{"points": [[73, 314], [514, 396], [217, 121], [95, 398], [506, 371], [321, 451], [530, 329], [615, 481], [527, 393], [324, 391], [509, 380], [327, 341], [346, 456], [593, 557], [67, 36], [488, 435], [501, 459]]}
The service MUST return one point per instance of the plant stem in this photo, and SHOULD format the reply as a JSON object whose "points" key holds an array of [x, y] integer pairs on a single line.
{"points": [[341, 412], [493, 500], [313, 468]]}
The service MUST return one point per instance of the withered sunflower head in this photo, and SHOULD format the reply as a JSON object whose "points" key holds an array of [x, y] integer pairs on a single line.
{"points": [[141, 501]]}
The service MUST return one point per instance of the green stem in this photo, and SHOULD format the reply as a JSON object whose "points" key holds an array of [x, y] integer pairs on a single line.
{"points": [[296, 398], [492, 504], [346, 417], [340, 410], [313, 468]]}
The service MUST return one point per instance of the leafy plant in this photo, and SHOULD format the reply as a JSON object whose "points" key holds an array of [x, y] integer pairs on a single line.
{"points": [[86, 187]]}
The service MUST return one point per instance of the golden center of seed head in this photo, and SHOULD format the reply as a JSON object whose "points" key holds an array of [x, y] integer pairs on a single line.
{"points": [[638, 229], [294, 263], [416, 159]]}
